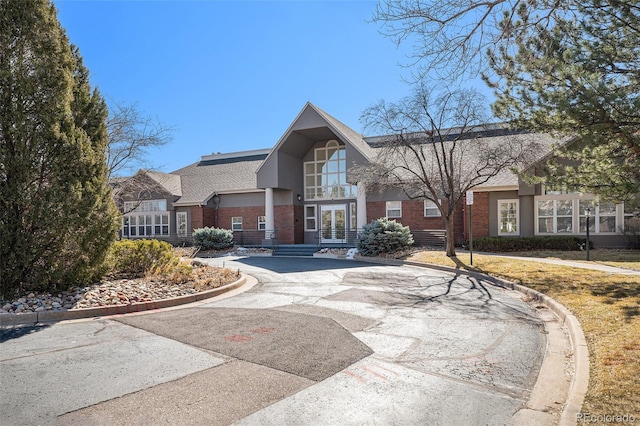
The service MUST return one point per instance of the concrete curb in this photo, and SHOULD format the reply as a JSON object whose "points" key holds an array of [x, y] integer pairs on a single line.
{"points": [[580, 352], [33, 318]]}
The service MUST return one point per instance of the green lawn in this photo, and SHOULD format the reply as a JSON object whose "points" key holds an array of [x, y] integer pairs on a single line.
{"points": [[607, 306]]}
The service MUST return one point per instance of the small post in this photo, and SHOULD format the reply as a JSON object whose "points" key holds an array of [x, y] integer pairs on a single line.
{"points": [[588, 211], [470, 204]]}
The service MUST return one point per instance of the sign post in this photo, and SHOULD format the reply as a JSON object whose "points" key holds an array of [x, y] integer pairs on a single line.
{"points": [[470, 204]]}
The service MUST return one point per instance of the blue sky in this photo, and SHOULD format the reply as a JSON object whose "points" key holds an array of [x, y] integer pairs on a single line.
{"points": [[232, 75]]}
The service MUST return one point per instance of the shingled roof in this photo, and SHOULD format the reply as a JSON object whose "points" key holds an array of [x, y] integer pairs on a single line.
{"points": [[468, 153], [222, 173]]}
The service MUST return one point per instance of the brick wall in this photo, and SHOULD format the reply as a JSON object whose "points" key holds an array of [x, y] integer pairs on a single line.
{"points": [[413, 216], [285, 223], [197, 217], [480, 215], [249, 216]]}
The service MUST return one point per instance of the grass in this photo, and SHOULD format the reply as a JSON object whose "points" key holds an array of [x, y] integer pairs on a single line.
{"points": [[629, 259], [607, 306]]}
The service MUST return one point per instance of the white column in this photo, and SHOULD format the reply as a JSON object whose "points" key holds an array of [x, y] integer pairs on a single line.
{"points": [[269, 216], [361, 206]]}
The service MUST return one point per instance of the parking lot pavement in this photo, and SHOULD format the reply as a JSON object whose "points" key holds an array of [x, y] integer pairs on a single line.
{"points": [[315, 342]]}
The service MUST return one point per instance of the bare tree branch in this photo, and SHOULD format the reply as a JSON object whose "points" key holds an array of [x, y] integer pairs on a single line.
{"points": [[436, 149], [130, 135]]}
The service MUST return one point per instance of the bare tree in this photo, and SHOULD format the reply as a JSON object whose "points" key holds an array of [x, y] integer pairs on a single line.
{"points": [[452, 37], [130, 135], [437, 149]]}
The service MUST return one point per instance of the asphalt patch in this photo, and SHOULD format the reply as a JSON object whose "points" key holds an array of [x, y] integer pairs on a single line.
{"points": [[309, 346], [220, 396]]}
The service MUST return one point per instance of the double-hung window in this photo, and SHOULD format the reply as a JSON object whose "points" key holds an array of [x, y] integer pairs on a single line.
{"points": [[508, 217], [567, 214], [262, 223], [310, 218], [181, 224], [394, 209], [430, 209], [555, 216], [236, 223]]}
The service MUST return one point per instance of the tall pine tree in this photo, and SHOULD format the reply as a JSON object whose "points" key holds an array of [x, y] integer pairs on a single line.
{"points": [[57, 217]]}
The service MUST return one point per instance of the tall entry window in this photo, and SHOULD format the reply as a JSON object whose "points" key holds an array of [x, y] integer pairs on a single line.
{"points": [[326, 176]]}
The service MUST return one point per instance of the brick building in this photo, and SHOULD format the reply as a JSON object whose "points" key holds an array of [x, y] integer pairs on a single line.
{"points": [[302, 191]]}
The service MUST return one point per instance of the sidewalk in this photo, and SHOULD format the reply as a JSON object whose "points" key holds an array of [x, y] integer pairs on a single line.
{"points": [[571, 263]]}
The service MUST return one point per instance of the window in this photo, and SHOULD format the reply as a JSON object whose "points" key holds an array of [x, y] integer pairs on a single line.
{"points": [[326, 176], [181, 219], [508, 217], [602, 220], [631, 222], [145, 206], [430, 209], [558, 214], [555, 216], [394, 209], [236, 223], [353, 213], [310, 218], [145, 218], [262, 223], [557, 190]]}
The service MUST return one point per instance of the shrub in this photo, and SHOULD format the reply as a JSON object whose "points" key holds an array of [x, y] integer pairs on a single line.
{"points": [[383, 236], [139, 257], [508, 244], [213, 238]]}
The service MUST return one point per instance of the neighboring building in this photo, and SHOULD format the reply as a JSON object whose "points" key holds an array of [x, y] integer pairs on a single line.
{"points": [[301, 191]]}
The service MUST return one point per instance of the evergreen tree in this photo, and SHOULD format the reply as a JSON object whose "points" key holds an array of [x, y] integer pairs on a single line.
{"points": [[579, 77], [567, 67], [57, 218]]}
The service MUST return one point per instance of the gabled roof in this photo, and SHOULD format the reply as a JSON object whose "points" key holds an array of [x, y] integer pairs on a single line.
{"points": [[344, 132], [169, 182], [223, 173], [350, 135]]}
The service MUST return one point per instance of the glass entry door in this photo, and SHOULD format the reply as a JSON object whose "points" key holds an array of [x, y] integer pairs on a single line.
{"points": [[333, 223]]}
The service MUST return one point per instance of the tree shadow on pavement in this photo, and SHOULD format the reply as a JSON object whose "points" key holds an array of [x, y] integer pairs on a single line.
{"points": [[17, 332]]}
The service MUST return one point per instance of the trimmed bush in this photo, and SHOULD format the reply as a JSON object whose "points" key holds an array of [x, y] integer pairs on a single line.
{"points": [[138, 257], [508, 244], [213, 238], [383, 236]]}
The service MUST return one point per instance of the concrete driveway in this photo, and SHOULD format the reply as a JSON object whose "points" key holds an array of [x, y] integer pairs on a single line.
{"points": [[314, 342]]}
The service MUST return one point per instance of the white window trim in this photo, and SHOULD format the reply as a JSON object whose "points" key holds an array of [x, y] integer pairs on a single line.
{"points": [[234, 223], [314, 217], [430, 205], [186, 224], [575, 198], [152, 224], [388, 209], [350, 191], [353, 216], [517, 202], [595, 219], [263, 223]]}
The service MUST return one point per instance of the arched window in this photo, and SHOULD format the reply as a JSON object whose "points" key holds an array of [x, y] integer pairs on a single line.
{"points": [[326, 175]]}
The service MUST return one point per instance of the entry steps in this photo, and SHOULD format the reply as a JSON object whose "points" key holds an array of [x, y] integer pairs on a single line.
{"points": [[300, 249], [295, 250]]}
